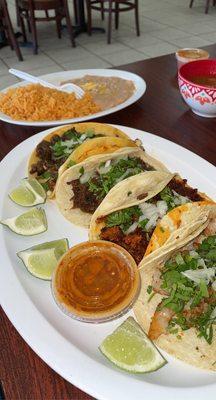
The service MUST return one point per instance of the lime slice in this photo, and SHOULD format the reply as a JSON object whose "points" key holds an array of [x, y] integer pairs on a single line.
{"points": [[129, 348], [40, 263], [41, 260], [28, 193], [30, 223], [60, 246]]}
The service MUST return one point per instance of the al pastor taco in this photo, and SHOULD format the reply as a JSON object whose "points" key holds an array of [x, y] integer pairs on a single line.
{"points": [[177, 303], [70, 145], [131, 211], [82, 187]]}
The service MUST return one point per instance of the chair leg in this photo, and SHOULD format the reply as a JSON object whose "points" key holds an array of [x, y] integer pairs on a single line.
{"points": [[22, 26], [17, 13], [75, 12], [68, 23], [58, 24], [28, 21], [207, 6], [89, 17], [102, 10], [12, 39], [116, 15], [191, 3], [214, 2], [34, 31], [137, 17], [109, 30]]}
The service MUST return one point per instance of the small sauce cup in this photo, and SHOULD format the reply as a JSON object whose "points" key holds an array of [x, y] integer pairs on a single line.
{"points": [[186, 55], [96, 281]]}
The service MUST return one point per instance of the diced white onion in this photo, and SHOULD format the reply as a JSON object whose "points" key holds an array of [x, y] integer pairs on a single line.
{"points": [[162, 207], [194, 254], [178, 199], [106, 168], [148, 209], [201, 263], [132, 228], [86, 176], [197, 275], [152, 222], [214, 288], [83, 137], [125, 175]]}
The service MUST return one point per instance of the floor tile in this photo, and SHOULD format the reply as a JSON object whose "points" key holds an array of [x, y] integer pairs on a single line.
{"points": [[68, 54], [190, 41], [159, 49], [99, 49], [125, 57], [7, 80], [92, 62], [30, 62]]}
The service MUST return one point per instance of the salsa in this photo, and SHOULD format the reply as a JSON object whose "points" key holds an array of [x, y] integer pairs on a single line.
{"points": [[96, 281], [205, 80]]}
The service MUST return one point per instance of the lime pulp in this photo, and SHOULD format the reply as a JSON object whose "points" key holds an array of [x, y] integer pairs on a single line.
{"points": [[129, 348], [41, 260], [29, 223], [28, 193]]}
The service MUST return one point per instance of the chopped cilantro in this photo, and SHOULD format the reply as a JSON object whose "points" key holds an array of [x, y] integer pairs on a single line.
{"points": [[194, 303], [129, 193], [119, 170], [81, 170], [123, 218], [149, 289]]}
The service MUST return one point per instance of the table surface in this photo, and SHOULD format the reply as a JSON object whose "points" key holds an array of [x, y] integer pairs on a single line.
{"points": [[161, 111]]}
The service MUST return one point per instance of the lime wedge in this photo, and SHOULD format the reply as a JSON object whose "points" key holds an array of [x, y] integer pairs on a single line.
{"points": [[40, 263], [30, 223], [41, 260], [28, 193], [129, 348]]}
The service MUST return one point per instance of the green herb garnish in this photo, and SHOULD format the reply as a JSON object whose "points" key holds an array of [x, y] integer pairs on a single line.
{"points": [[123, 218]]}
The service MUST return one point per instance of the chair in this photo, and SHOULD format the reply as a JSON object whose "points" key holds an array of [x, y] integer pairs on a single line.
{"points": [[112, 7], [7, 29], [206, 6], [26, 11]]}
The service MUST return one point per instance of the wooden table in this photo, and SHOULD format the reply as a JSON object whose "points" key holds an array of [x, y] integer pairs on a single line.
{"points": [[161, 111]]}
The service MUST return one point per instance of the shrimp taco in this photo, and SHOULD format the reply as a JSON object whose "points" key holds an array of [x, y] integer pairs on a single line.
{"points": [[131, 211], [177, 303], [72, 144], [81, 188]]}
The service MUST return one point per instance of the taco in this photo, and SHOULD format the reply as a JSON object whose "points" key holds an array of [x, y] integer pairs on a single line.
{"points": [[72, 144], [81, 188], [131, 211], [177, 303]]}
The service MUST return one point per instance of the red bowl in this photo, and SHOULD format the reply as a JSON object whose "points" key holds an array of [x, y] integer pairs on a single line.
{"points": [[201, 98]]}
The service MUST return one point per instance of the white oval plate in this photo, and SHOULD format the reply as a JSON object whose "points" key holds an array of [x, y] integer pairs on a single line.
{"points": [[71, 347], [57, 77]]}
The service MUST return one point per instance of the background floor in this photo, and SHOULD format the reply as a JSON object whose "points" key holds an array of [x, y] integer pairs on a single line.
{"points": [[166, 26]]}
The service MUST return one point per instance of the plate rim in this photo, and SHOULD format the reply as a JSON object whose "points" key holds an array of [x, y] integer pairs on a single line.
{"points": [[139, 92], [102, 370]]}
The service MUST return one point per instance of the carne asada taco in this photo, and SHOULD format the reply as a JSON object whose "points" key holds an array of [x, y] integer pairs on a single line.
{"points": [[81, 188], [130, 220], [71, 144], [177, 303]]}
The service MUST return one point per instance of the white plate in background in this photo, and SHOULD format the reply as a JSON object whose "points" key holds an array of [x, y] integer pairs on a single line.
{"points": [[57, 77]]}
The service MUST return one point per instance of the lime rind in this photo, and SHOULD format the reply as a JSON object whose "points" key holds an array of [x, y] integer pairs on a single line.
{"points": [[57, 248], [30, 223], [129, 348]]}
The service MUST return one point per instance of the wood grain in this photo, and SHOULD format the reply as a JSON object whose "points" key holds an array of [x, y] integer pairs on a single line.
{"points": [[161, 111]]}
